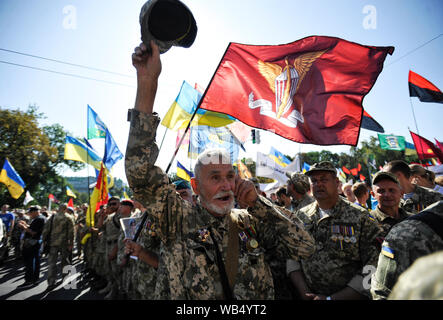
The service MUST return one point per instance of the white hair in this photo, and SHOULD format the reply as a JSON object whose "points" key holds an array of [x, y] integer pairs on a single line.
{"points": [[211, 156]]}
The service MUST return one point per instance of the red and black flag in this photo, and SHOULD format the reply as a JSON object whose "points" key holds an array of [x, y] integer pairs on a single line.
{"points": [[369, 123], [423, 89]]}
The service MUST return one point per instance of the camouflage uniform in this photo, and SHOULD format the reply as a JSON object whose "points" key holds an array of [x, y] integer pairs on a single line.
{"points": [[189, 251], [386, 222], [147, 275], [303, 202], [422, 198], [111, 234], [406, 242], [337, 264], [421, 281], [62, 236], [79, 223]]}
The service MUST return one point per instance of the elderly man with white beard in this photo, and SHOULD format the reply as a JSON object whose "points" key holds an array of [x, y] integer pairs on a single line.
{"points": [[210, 250]]}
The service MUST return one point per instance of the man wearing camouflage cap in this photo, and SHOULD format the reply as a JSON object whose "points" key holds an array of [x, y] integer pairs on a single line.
{"points": [[414, 237], [387, 191], [298, 187], [345, 240]]}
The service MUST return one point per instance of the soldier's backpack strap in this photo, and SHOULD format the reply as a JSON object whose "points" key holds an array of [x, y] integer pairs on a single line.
{"points": [[433, 221], [232, 254], [221, 267]]}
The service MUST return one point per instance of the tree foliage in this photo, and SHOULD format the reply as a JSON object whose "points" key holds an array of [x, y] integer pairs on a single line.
{"points": [[35, 152]]}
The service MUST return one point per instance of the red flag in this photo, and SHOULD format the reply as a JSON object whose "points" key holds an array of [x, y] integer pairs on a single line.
{"points": [[362, 177], [439, 144], [309, 91], [423, 89], [359, 167], [346, 170], [354, 171], [425, 148], [51, 197], [71, 203]]}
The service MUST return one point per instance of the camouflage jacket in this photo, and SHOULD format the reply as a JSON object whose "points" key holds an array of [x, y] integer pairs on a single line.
{"points": [[111, 230], [303, 202], [406, 242], [386, 222], [422, 198], [189, 254], [62, 233], [338, 263], [422, 280]]}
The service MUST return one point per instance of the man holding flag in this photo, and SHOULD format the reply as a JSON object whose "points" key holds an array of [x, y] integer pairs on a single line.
{"points": [[196, 238]]}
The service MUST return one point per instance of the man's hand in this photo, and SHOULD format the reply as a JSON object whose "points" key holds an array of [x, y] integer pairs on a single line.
{"points": [[314, 296], [245, 192], [147, 64], [132, 248], [139, 206]]}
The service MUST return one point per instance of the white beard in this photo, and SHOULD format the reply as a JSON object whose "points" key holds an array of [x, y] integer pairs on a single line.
{"points": [[216, 209]]}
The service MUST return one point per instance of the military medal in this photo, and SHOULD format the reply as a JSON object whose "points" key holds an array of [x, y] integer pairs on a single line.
{"points": [[252, 244], [347, 239], [353, 239], [203, 234]]}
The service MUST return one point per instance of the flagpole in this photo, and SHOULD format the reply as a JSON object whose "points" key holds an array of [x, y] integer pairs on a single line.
{"points": [[161, 144]]}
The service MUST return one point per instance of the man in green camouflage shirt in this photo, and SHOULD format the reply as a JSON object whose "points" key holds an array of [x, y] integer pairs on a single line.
{"points": [[415, 198], [62, 241], [345, 240], [195, 238], [387, 191], [407, 241]]}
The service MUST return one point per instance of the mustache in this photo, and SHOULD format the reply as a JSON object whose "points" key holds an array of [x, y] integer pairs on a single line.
{"points": [[223, 194]]}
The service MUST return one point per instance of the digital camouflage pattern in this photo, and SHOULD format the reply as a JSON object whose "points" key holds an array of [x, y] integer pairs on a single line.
{"points": [[189, 257], [62, 233], [386, 222], [146, 274], [406, 242], [337, 264], [421, 199], [430, 286], [62, 237], [303, 202]]}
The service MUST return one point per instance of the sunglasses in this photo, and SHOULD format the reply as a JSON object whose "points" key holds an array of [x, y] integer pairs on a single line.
{"points": [[113, 203]]}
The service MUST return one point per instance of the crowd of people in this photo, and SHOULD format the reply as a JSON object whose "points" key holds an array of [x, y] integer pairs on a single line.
{"points": [[221, 237]]}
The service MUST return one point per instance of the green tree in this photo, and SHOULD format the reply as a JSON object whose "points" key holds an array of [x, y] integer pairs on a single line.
{"points": [[35, 153]]}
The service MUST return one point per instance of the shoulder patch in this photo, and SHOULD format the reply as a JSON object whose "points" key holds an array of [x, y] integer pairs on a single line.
{"points": [[388, 252]]}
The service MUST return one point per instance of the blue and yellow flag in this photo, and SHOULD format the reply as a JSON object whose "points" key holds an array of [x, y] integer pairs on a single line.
{"points": [[12, 180], [183, 173], [96, 127], [410, 149], [184, 106], [388, 252], [112, 152], [79, 151], [70, 193], [306, 167], [279, 157]]}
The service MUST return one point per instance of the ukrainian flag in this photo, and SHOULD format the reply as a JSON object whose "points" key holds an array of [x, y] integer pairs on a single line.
{"points": [[70, 193], [183, 173], [279, 157], [410, 149], [12, 180], [184, 106], [388, 252], [306, 167], [78, 151]]}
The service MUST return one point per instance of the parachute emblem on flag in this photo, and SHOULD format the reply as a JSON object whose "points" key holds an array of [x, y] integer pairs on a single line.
{"points": [[284, 82]]}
